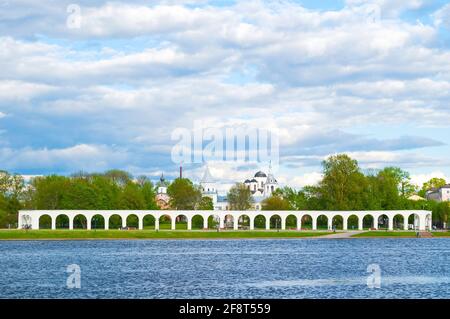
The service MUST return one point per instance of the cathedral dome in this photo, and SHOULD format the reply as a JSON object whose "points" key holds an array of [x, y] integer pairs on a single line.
{"points": [[271, 179], [260, 174]]}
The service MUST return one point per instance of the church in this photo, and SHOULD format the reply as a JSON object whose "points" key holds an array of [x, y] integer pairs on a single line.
{"points": [[261, 185], [162, 198]]}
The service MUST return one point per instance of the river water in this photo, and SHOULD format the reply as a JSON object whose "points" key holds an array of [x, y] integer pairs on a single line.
{"points": [[292, 268]]}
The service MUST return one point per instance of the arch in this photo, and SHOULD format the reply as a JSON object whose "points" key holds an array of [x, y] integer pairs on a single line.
{"points": [[197, 222], [353, 222], [148, 221], [228, 221], [428, 222], [368, 221], [115, 221], [414, 221], [244, 222], [132, 221], [322, 222], [275, 222], [45, 222], [399, 221], [181, 222], [337, 222], [165, 222], [307, 221], [291, 221], [259, 221], [213, 221], [62, 221], [80, 222], [98, 222], [383, 221]]}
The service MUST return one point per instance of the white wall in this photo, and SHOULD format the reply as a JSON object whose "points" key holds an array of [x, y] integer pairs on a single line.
{"points": [[31, 217]]}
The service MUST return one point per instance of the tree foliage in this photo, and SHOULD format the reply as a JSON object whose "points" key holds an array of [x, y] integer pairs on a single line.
{"points": [[183, 194], [239, 197], [434, 182], [276, 202], [206, 203], [344, 186], [96, 192]]}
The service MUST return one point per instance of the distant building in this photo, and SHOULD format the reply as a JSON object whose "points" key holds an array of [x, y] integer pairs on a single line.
{"points": [[415, 197], [441, 194], [262, 185], [162, 198]]}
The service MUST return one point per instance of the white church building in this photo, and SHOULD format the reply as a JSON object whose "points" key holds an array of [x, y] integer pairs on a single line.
{"points": [[261, 185]]}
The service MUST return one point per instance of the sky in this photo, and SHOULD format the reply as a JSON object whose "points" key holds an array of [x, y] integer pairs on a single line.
{"points": [[97, 85]]}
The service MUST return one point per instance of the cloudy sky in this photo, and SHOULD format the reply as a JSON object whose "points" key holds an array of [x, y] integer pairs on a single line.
{"points": [[105, 87]]}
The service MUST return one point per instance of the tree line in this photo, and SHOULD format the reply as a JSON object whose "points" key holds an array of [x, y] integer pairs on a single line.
{"points": [[112, 190], [344, 186]]}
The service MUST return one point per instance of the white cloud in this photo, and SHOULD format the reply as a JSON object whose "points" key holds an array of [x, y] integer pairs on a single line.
{"points": [[134, 72], [307, 179], [390, 8], [441, 16], [419, 179], [18, 91], [375, 159], [75, 158]]}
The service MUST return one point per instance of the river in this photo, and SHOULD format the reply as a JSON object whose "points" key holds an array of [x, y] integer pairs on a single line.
{"points": [[291, 268]]}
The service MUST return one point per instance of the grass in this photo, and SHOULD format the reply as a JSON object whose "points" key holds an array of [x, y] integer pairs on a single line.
{"points": [[383, 233], [150, 234], [441, 234], [404, 234]]}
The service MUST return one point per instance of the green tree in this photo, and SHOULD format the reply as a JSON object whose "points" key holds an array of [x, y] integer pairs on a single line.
{"points": [[49, 191], [106, 191], [343, 184], [131, 197], [297, 199], [441, 212], [403, 180], [206, 203], [240, 197], [183, 194], [78, 194], [275, 202], [387, 190], [149, 193], [119, 177], [8, 211], [11, 185], [434, 182]]}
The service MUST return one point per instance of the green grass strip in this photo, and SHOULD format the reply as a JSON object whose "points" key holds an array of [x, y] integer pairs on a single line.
{"points": [[150, 234]]}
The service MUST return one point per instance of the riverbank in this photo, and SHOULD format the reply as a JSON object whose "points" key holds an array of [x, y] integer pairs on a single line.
{"points": [[15, 234], [397, 234], [81, 234]]}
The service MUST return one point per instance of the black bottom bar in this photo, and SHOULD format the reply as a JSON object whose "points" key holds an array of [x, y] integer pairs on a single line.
{"points": [[238, 308]]}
